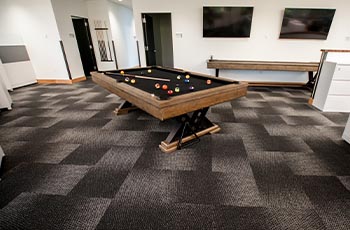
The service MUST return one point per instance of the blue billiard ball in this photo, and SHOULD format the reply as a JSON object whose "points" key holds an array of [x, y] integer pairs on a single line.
{"points": [[187, 80]]}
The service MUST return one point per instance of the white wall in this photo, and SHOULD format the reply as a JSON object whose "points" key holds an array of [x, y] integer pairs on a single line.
{"points": [[192, 50], [98, 10], [123, 32], [64, 10], [34, 21]]}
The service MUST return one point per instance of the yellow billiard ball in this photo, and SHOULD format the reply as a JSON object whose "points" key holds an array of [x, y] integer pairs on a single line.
{"points": [[133, 81], [122, 72], [187, 76], [208, 82], [149, 71]]}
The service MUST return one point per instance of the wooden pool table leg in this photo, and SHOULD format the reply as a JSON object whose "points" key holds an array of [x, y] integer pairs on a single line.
{"points": [[124, 108], [190, 128]]}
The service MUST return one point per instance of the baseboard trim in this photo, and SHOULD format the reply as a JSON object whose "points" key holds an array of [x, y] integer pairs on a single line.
{"points": [[79, 79], [57, 81], [310, 101]]}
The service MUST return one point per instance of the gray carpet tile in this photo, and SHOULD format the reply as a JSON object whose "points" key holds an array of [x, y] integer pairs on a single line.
{"points": [[72, 163], [308, 164], [267, 218], [122, 215], [88, 154], [284, 189], [335, 215], [38, 211], [345, 181], [100, 182], [41, 178], [185, 160], [121, 158], [215, 188], [27, 121]]}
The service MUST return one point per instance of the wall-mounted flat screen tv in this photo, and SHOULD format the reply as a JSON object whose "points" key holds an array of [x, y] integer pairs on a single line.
{"points": [[301, 23], [227, 21]]}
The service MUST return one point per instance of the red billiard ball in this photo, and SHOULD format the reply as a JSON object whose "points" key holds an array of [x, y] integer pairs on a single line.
{"points": [[157, 85], [165, 87], [208, 82], [170, 92]]}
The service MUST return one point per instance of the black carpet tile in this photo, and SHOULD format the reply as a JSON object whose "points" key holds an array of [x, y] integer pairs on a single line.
{"points": [[72, 163], [39, 211]]}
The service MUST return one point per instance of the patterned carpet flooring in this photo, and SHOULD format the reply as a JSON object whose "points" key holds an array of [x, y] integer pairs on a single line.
{"points": [[71, 163]]}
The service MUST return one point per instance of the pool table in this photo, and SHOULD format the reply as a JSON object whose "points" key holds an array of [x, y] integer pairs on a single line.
{"points": [[191, 94]]}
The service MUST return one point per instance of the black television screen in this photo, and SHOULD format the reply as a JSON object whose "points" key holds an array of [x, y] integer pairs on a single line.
{"points": [[227, 21], [306, 23]]}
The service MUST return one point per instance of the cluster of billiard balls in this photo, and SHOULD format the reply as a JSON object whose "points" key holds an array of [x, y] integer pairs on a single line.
{"points": [[177, 89]]}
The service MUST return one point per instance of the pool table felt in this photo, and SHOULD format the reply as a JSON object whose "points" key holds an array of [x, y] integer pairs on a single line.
{"points": [[148, 85]]}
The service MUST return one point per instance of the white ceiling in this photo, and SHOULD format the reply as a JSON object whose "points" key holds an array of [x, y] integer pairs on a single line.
{"points": [[127, 3]]}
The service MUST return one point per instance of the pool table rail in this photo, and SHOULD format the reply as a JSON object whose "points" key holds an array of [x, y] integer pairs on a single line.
{"points": [[175, 105]]}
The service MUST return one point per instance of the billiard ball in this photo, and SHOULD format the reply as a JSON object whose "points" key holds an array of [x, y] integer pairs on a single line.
{"points": [[165, 87], [170, 92], [187, 76], [157, 85], [149, 71], [127, 79], [133, 81], [177, 89], [178, 77], [187, 80], [191, 88], [208, 82], [122, 72]]}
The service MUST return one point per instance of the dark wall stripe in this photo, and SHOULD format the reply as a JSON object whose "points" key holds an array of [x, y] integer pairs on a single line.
{"points": [[65, 60], [9, 54]]}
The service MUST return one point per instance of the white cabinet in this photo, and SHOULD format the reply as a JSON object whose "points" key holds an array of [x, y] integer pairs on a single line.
{"points": [[333, 89], [346, 134], [5, 99]]}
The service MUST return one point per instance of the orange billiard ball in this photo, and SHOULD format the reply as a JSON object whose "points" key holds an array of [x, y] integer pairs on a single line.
{"points": [[208, 82], [165, 87], [157, 85], [122, 72]]}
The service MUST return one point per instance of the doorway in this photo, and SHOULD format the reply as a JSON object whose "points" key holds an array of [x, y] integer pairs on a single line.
{"points": [[157, 34], [86, 49]]}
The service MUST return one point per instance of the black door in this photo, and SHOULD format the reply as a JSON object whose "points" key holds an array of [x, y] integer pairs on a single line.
{"points": [[148, 35], [86, 50]]}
